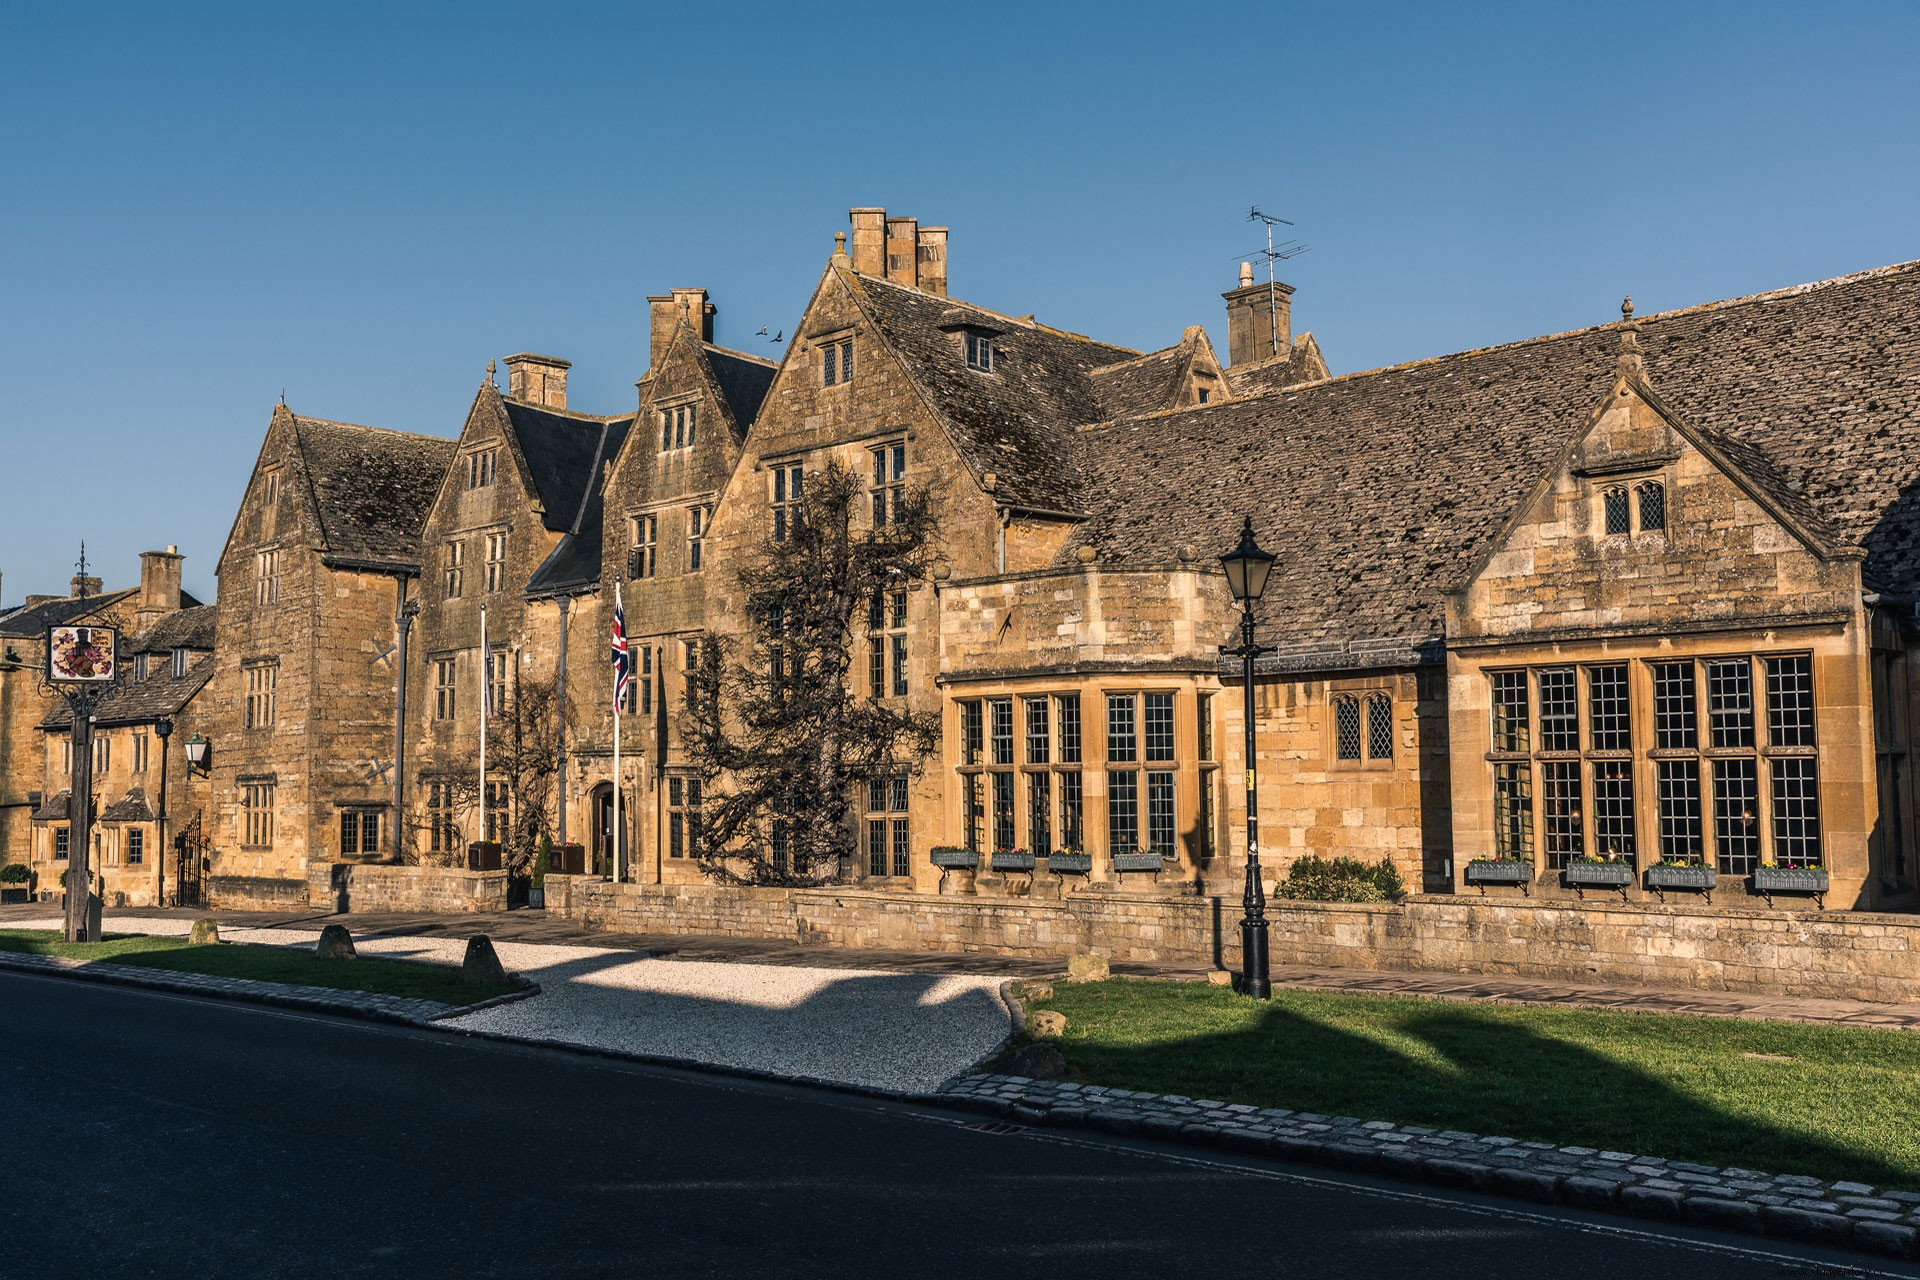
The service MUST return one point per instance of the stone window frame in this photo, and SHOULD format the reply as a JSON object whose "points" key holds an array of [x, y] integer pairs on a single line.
{"points": [[446, 686], [266, 576], [269, 486], [1364, 698], [643, 544], [495, 544], [362, 817], [141, 751], [62, 843], [786, 493], [482, 466], [888, 488], [134, 846], [699, 529], [1676, 795], [836, 363], [177, 662], [261, 707], [684, 804], [886, 837], [1627, 499], [1007, 792], [887, 644], [256, 813], [453, 565], [1154, 791], [679, 422], [977, 350], [443, 829]]}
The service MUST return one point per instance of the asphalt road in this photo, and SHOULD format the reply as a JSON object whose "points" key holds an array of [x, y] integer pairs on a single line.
{"points": [[152, 1135]]}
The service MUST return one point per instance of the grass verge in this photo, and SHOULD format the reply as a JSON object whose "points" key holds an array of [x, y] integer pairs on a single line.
{"points": [[409, 978], [1833, 1102]]}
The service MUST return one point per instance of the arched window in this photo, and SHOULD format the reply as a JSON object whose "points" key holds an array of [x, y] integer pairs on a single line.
{"points": [[1617, 518], [1653, 507], [1379, 726], [1346, 727]]}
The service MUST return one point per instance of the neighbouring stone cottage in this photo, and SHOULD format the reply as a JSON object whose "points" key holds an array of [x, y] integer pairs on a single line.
{"points": [[1636, 594]]}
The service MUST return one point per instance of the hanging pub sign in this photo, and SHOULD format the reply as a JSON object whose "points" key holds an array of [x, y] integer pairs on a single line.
{"points": [[81, 655]]}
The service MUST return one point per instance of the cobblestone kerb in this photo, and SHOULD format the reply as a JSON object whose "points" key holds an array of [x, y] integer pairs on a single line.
{"points": [[1841, 1214], [357, 1004]]}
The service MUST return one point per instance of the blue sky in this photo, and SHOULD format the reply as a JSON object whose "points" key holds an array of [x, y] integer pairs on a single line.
{"points": [[359, 205]]}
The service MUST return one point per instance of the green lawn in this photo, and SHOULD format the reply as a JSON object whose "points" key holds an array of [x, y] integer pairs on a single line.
{"points": [[1834, 1102], [267, 964]]}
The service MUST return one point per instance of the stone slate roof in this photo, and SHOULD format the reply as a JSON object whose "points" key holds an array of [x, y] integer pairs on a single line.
{"points": [[31, 621], [744, 381], [1147, 384], [133, 701], [564, 452], [372, 488], [1380, 490], [189, 628], [54, 807], [1015, 422], [131, 807], [1301, 364]]}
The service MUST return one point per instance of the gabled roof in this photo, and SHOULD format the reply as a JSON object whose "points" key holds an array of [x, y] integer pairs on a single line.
{"points": [[1016, 422], [743, 380], [1301, 363], [33, 620], [131, 807], [133, 701], [1379, 490], [1145, 384], [563, 452], [372, 488], [189, 628]]}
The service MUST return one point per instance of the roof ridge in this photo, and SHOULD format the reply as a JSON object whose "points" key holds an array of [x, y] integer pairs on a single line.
{"points": [[1772, 295], [310, 420], [743, 355], [597, 419], [1025, 322], [1162, 352]]}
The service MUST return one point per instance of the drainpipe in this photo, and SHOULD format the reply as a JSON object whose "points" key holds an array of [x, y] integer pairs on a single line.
{"points": [[560, 726], [404, 612]]}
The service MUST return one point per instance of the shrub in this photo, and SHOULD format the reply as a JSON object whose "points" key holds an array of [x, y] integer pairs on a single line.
{"points": [[543, 861], [1341, 880], [13, 873]]}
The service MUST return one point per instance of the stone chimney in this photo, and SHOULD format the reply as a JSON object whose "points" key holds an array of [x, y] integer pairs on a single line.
{"points": [[540, 380], [900, 250], [1259, 320], [83, 587], [668, 310], [159, 586]]}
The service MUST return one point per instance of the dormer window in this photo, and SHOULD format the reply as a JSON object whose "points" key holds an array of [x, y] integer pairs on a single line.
{"points": [[677, 426], [179, 663], [139, 667], [836, 362], [979, 352]]}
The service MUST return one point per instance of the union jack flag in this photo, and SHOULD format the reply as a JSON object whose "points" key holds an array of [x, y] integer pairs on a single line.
{"points": [[622, 658]]}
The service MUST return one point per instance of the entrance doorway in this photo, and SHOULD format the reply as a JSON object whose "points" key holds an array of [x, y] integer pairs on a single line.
{"points": [[605, 829]]}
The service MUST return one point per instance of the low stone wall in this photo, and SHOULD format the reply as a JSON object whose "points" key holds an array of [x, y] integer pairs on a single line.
{"points": [[1856, 955], [255, 893], [344, 886]]}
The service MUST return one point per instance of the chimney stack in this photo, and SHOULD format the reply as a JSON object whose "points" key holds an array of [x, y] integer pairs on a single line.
{"points": [[83, 587], [1259, 320], [540, 380], [668, 310], [159, 586], [900, 250]]}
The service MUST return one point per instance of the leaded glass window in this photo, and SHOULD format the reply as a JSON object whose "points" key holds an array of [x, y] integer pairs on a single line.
{"points": [[1676, 715], [1559, 710], [1677, 783], [1379, 726], [1610, 722], [1790, 701], [1346, 727]]}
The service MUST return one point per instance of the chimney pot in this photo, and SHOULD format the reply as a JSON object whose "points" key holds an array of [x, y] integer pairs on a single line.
{"points": [[540, 380], [932, 267], [1246, 274]]}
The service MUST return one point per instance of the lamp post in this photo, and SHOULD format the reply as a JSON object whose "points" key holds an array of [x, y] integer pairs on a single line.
{"points": [[162, 729], [1247, 567], [196, 754]]}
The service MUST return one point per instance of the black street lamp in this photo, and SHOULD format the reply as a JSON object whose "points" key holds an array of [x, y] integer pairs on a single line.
{"points": [[1247, 568], [197, 753]]}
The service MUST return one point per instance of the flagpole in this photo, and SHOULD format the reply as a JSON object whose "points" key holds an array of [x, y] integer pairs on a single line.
{"points": [[486, 697], [619, 696]]}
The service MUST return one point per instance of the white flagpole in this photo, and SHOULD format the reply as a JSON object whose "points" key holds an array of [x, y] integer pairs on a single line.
{"points": [[486, 694], [619, 696]]}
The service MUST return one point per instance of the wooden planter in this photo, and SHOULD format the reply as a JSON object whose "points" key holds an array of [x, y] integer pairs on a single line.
{"points": [[955, 859], [1768, 881], [1070, 864], [1500, 871], [1003, 861], [1124, 862], [1694, 879]]}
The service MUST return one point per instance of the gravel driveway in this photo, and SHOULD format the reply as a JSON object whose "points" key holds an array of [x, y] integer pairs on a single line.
{"points": [[863, 1027]]}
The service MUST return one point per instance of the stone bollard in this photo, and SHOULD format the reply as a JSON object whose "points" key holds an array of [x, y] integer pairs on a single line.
{"points": [[482, 965], [205, 930], [1033, 989], [335, 944], [1047, 1023], [1220, 977], [1087, 968]]}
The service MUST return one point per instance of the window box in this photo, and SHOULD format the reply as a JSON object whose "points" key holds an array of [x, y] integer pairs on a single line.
{"points": [[1484, 872], [1124, 862], [1599, 875], [1070, 864], [1768, 881], [1012, 860], [950, 858], [1701, 879]]}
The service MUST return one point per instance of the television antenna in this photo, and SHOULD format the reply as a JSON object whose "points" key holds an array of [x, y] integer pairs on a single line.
{"points": [[1274, 253]]}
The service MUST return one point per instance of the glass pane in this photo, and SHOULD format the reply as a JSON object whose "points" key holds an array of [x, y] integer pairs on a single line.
{"points": [[1123, 812], [1003, 837], [1613, 808], [1069, 728], [876, 846], [1120, 726], [1675, 713], [1653, 508], [1559, 710], [1730, 703], [1790, 701], [901, 863], [1002, 730], [1160, 813], [1796, 813], [971, 741], [1560, 810], [1346, 727], [1616, 505], [1513, 811], [1509, 710], [1159, 726], [1037, 736], [1736, 816], [1677, 784], [897, 793], [1609, 721], [1072, 836], [1379, 726], [1040, 813]]}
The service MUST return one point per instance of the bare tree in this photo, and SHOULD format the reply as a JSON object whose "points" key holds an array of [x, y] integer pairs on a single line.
{"points": [[777, 732], [522, 750]]}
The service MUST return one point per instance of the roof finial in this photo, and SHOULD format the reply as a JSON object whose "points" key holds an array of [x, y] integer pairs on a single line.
{"points": [[1630, 362], [839, 244], [490, 367]]}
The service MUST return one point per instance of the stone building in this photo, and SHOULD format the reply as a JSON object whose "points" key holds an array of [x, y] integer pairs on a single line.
{"points": [[1634, 594]]}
